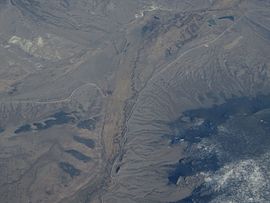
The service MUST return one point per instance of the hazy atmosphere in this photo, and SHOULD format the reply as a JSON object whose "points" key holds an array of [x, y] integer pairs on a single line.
{"points": [[134, 101]]}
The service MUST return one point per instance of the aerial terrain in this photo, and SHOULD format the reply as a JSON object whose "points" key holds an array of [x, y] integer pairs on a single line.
{"points": [[134, 101]]}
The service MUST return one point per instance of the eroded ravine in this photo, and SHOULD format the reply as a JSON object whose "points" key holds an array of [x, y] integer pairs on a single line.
{"points": [[134, 101]]}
